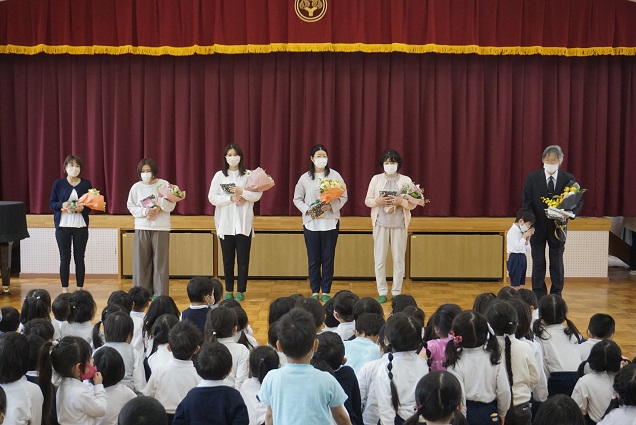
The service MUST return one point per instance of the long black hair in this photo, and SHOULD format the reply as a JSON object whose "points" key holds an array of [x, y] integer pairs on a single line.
{"points": [[524, 318], [262, 360], [239, 152], [438, 396], [553, 311], [605, 356], [161, 305], [36, 305], [312, 167], [471, 330]]}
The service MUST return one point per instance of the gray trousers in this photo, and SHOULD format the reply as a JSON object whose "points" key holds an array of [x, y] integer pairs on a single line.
{"points": [[150, 261]]}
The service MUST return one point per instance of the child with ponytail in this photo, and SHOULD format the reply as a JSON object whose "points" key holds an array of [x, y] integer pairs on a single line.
{"points": [[521, 367], [221, 326], [624, 410], [77, 403], [560, 345], [82, 311], [593, 391], [36, 305], [262, 360], [473, 356], [436, 348], [403, 368], [438, 397]]}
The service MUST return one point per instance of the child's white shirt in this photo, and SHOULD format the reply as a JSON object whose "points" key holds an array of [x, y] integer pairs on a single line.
{"points": [[171, 382], [24, 402], [540, 391], [82, 330], [118, 395], [481, 380], [560, 351], [80, 403], [160, 357], [366, 382], [345, 330], [240, 362], [255, 408], [137, 339], [593, 393]]}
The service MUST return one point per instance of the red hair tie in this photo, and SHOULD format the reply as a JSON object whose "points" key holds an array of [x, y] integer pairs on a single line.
{"points": [[457, 338]]}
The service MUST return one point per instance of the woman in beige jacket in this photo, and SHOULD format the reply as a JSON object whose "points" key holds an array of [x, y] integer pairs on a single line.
{"points": [[390, 216]]}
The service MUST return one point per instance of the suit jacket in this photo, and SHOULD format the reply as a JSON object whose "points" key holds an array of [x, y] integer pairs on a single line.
{"points": [[536, 187]]}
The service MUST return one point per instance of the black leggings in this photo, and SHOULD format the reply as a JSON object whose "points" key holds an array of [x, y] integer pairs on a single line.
{"points": [[77, 237]]}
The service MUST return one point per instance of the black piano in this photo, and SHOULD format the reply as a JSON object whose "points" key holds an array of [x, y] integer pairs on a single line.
{"points": [[13, 228]]}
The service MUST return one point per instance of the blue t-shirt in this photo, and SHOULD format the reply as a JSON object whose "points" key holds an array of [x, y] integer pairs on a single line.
{"points": [[301, 394], [359, 351]]}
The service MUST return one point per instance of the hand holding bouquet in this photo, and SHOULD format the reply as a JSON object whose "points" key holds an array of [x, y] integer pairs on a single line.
{"points": [[560, 207], [171, 192], [330, 190], [93, 200], [413, 193]]}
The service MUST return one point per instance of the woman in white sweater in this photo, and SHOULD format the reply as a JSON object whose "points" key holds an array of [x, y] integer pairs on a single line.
{"points": [[233, 218], [152, 230], [321, 233], [390, 216]]}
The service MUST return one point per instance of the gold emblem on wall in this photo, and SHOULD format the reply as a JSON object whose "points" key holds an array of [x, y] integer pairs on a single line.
{"points": [[310, 10]]}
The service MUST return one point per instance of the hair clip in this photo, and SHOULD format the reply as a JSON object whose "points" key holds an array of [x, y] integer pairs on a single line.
{"points": [[54, 343], [214, 333], [490, 330], [456, 338]]}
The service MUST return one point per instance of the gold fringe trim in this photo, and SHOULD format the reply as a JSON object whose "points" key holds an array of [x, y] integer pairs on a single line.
{"points": [[317, 47]]}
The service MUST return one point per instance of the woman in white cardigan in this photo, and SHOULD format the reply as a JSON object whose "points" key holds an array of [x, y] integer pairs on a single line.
{"points": [[390, 216], [234, 218]]}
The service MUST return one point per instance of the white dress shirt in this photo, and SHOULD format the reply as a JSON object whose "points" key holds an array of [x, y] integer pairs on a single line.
{"points": [[171, 382], [118, 395], [24, 402], [80, 403], [230, 218]]}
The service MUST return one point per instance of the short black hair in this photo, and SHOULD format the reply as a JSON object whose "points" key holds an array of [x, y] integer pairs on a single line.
{"points": [[483, 301], [143, 410], [526, 215], [401, 301], [369, 324], [111, 365], [279, 307], [507, 292], [198, 288], [262, 360], [213, 362], [314, 307], [10, 319], [35, 344], [529, 297], [297, 298], [229, 303], [118, 327], [330, 321], [14, 357], [218, 290], [122, 299], [331, 349], [40, 327], [343, 304], [367, 305], [3, 401], [391, 155], [61, 307], [559, 409], [140, 297], [76, 159], [83, 307], [184, 340], [297, 333], [601, 326], [272, 334], [36, 305]]}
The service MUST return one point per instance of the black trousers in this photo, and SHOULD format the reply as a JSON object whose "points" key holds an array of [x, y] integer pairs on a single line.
{"points": [[556, 248], [517, 264], [236, 247], [632, 252], [77, 238], [321, 253], [562, 383]]}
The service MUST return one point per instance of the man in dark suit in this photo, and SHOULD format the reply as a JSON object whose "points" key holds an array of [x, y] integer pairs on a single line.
{"points": [[547, 182]]}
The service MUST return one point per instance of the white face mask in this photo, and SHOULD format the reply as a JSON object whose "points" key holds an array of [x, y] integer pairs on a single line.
{"points": [[72, 171], [233, 160], [550, 168], [524, 228], [146, 177], [320, 162], [390, 168]]}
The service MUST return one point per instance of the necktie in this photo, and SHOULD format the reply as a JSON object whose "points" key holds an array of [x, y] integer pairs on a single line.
{"points": [[551, 185]]}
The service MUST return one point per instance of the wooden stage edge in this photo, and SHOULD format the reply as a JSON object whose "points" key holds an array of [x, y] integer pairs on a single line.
{"points": [[347, 224]]}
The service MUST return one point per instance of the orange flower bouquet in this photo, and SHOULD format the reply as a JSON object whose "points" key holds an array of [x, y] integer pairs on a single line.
{"points": [[93, 200], [330, 190]]}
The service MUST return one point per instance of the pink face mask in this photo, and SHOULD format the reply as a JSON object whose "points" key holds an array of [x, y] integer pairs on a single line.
{"points": [[89, 373]]}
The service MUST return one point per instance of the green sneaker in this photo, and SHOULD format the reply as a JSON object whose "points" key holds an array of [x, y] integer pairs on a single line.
{"points": [[229, 296], [315, 296], [382, 299], [239, 296], [325, 298]]}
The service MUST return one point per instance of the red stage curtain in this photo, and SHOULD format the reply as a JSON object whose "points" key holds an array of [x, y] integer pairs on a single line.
{"points": [[187, 27], [469, 127]]}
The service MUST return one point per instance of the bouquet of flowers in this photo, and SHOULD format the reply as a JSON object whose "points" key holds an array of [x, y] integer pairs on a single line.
{"points": [[171, 192], [412, 192], [330, 190], [259, 181], [559, 206], [93, 200]]}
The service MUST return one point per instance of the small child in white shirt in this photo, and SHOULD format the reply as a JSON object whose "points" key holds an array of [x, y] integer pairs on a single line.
{"points": [[111, 364], [602, 326], [517, 243], [159, 352], [82, 311], [171, 382], [623, 409], [262, 360], [343, 304], [141, 299]]}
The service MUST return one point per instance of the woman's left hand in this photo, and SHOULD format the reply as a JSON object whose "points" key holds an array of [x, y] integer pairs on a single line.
{"points": [[78, 209], [237, 190], [326, 208]]}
